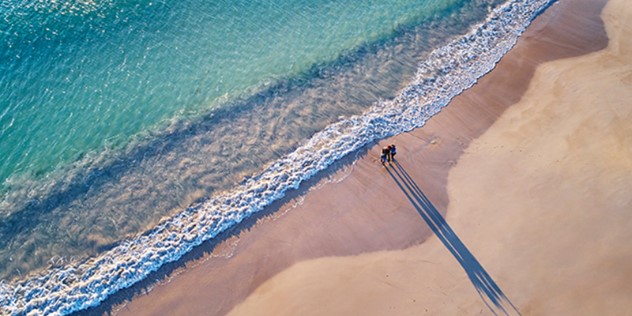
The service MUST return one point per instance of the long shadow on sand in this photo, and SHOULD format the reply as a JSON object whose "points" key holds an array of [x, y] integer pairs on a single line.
{"points": [[489, 291]]}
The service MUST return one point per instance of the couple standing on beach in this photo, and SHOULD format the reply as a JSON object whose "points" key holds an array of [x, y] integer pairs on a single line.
{"points": [[388, 153]]}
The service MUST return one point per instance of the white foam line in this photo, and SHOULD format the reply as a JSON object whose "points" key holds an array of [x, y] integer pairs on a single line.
{"points": [[447, 72]]}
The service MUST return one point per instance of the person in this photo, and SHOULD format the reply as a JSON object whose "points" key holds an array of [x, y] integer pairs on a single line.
{"points": [[385, 154], [393, 151]]}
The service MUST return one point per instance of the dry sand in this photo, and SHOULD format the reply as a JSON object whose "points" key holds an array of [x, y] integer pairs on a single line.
{"points": [[543, 199], [333, 253]]}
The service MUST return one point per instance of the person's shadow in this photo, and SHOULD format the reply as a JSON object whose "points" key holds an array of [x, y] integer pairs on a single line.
{"points": [[489, 291]]}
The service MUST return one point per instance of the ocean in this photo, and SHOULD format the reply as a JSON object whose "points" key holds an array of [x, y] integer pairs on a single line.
{"points": [[132, 131]]}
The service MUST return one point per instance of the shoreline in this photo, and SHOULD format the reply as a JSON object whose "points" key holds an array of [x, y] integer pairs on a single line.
{"points": [[539, 215], [328, 223]]}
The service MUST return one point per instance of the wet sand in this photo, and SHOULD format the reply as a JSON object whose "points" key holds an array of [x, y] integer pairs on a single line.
{"points": [[366, 241]]}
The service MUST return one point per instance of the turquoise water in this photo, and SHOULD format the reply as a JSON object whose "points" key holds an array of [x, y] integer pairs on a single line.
{"points": [[117, 114], [78, 82], [132, 131]]}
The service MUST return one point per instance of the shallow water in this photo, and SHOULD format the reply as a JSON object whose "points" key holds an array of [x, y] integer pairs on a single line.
{"points": [[81, 77], [148, 148], [282, 125]]}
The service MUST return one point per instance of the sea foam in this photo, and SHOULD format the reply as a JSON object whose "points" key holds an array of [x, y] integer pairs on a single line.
{"points": [[447, 71]]}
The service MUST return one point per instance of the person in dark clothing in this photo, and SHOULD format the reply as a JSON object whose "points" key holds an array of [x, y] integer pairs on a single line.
{"points": [[393, 151], [386, 152]]}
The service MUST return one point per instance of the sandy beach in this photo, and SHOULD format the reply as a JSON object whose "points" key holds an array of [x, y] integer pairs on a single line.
{"points": [[515, 199]]}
